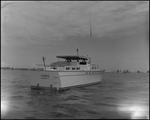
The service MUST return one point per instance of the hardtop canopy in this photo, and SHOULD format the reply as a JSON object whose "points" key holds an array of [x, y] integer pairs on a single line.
{"points": [[73, 57]]}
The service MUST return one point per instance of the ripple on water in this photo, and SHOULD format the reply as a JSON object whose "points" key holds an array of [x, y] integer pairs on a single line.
{"points": [[30, 118], [66, 111], [105, 104], [61, 115]]}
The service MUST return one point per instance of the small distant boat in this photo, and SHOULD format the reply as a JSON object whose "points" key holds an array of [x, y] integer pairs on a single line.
{"points": [[73, 71], [138, 71]]}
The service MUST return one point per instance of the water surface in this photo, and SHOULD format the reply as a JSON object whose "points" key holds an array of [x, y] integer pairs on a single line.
{"points": [[120, 95]]}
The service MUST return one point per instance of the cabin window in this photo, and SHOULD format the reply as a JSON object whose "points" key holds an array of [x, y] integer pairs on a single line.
{"points": [[78, 68], [67, 68], [82, 63], [73, 68], [54, 68]]}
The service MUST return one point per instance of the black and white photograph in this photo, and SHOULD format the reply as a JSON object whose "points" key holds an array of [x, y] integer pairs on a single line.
{"points": [[74, 59]]}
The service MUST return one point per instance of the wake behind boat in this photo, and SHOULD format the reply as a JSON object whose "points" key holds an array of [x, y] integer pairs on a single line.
{"points": [[73, 71]]}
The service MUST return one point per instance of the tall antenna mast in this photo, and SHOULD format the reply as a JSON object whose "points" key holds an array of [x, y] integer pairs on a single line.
{"points": [[90, 24]]}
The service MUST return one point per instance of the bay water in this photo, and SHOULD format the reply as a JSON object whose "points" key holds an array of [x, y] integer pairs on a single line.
{"points": [[119, 96]]}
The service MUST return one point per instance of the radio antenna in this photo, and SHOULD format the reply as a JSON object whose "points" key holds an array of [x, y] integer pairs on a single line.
{"points": [[44, 62], [90, 23], [77, 52]]}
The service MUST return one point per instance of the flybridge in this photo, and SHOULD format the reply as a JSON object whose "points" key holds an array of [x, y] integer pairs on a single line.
{"points": [[73, 57]]}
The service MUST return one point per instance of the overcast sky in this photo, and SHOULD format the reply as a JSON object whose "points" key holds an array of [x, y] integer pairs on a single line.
{"points": [[120, 32]]}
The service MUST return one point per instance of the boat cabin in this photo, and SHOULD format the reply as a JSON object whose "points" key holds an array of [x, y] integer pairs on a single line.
{"points": [[72, 63]]}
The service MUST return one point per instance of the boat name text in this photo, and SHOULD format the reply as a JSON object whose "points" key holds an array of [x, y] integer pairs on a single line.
{"points": [[44, 76]]}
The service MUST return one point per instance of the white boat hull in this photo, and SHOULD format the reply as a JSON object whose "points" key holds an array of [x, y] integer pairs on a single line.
{"points": [[64, 79]]}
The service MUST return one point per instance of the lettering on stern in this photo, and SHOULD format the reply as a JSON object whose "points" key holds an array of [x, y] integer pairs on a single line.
{"points": [[45, 76]]}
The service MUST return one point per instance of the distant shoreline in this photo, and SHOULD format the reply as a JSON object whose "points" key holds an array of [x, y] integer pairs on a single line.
{"points": [[37, 69]]}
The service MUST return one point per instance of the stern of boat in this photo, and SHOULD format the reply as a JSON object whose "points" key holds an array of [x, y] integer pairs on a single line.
{"points": [[45, 79]]}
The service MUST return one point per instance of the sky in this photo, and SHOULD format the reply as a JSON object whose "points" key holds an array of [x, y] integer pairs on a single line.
{"points": [[119, 41]]}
